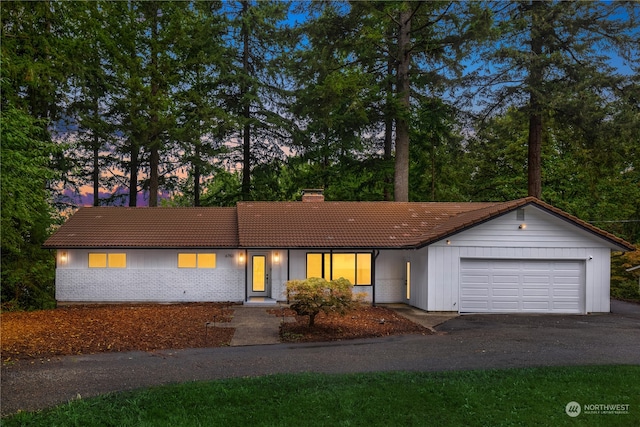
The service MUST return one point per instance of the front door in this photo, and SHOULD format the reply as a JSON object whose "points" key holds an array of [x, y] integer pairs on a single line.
{"points": [[260, 285]]}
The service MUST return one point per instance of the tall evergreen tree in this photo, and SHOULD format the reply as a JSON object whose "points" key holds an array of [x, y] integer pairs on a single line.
{"points": [[27, 212], [202, 123], [548, 52], [253, 80], [409, 49]]}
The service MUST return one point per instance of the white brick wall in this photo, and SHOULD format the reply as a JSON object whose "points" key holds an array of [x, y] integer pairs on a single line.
{"points": [[147, 285]]}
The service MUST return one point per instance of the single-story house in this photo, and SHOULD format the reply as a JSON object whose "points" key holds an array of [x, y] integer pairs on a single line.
{"points": [[518, 256]]}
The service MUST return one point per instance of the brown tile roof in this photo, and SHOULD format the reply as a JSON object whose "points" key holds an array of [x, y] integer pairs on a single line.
{"points": [[351, 225], [342, 224], [106, 227]]}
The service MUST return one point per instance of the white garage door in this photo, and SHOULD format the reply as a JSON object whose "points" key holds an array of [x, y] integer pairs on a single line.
{"points": [[507, 286]]}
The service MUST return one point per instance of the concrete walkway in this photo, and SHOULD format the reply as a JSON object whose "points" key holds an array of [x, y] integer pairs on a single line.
{"points": [[255, 326], [426, 319]]}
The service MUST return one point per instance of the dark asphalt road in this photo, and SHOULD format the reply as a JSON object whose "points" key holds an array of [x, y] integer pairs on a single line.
{"points": [[466, 342]]}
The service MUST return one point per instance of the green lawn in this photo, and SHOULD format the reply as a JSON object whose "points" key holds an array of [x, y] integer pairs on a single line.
{"points": [[483, 398]]}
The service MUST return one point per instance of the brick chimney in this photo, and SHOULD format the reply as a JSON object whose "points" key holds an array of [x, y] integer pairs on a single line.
{"points": [[313, 195]]}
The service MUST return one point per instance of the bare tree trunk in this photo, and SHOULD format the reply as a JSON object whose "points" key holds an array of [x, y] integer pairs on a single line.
{"points": [[95, 144], [401, 178], [246, 112], [534, 187], [154, 140], [196, 176], [534, 156], [388, 130], [133, 175]]}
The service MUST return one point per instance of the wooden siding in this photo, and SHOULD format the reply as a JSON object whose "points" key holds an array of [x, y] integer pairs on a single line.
{"points": [[541, 230], [545, 238]]}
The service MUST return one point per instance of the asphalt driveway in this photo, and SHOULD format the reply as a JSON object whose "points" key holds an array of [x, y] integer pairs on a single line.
{"points": [[466, 342]]}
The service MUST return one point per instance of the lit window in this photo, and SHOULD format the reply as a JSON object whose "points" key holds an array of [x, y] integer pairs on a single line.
{"points": [[408, 280], [191, 260], [355, 267], [363, 269], [206, 260], [97, 260], [186, 260], [117, 260], [314, 265], [103, 260], [344, 265]]}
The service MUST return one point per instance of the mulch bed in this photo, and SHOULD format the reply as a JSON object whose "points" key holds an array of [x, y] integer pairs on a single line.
{"points": [[88, 329], [364, 322]]}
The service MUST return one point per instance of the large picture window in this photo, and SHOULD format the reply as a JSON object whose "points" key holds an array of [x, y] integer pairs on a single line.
{"points": [[355, 267]]}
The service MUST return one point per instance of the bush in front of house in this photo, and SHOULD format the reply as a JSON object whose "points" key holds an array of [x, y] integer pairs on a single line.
{"points": [[624, 284], [311, 296]]}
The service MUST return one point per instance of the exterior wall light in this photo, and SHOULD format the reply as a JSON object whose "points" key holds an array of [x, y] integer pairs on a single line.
{"points": [[448, 242], [523, 226], [276, 257], [241, 258], [64, 257]]}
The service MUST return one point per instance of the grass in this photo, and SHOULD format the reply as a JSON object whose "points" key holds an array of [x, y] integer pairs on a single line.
{"points": [[535, 396]]}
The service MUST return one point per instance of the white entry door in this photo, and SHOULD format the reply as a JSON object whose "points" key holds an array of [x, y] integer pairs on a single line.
{"points": [[532, 286]]}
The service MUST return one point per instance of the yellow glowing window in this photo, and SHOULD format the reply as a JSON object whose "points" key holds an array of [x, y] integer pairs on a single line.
{"points": [[186, 260], [356, 268], [363, 269], [206, 260], [314, 265], [97, 260], [344, 265], [117, 260], [408, 280]]}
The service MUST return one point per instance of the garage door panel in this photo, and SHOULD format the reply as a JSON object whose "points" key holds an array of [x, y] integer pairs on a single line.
{"points": [[505, 292], [476, 278], [536, 306], [535, 292], [478, 305], [511, 306], [564, 306], [476, 292], [522, 286], [566, 293], [540, 279], [507, 278]]}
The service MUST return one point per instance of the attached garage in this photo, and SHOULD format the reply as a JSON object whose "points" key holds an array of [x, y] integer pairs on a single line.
{"points": [[522, 286]]}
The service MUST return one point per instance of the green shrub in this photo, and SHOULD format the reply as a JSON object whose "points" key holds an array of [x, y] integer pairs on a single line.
{"points": [[624, 284], [627, 290], [311, 296]]}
